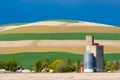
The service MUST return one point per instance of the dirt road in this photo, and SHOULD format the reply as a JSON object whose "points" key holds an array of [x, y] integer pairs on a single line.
{"points": [[60, 76]]}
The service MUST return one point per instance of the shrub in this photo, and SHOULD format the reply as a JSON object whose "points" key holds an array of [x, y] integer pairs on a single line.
{"points": [[61, 67], [118, 62], [68, 61], [11, 65], [2, 64], [38, 66], [78, 65], [54, 64], [71, 68], [45, 64], [111, 66]]}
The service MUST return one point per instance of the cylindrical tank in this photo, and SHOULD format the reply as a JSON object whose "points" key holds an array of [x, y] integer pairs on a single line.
{"points": [[88, 62]]}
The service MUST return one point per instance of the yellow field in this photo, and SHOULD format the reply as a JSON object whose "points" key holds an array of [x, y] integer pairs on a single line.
{"points": [[63, 29]]}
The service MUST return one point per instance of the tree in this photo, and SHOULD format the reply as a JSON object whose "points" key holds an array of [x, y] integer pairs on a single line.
{"points": [[45, 64], [54, 64], [2, 64], [115, 65], [61, 67], [111, 66], [70, 66], [118, 63], [38, 66], [12, 65], [78, 65], [68, 61]]}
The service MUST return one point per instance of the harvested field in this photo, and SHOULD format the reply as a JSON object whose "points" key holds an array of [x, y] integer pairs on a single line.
{"points": [[60, 27], [11, 50], [60, 76], [63, 29], [63, 43], [72, 46]]}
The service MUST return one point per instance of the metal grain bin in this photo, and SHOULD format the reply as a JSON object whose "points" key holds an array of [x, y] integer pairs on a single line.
{"points": [[89, 62]]}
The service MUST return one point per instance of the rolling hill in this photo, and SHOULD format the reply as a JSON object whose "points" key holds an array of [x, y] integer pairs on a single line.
{"points": [[51, 35], [55, 39], [60, 27]]}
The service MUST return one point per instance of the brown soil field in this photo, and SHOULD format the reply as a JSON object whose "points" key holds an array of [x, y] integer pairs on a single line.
{"points": [[63, 29], [73, 46], [60, 76]]}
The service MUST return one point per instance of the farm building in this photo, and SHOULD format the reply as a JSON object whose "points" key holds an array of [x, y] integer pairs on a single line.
{"points": [[94, 56]]}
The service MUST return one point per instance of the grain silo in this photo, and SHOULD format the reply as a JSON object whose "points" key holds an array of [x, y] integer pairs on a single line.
{"points": [[89, 62], [94, 56]]}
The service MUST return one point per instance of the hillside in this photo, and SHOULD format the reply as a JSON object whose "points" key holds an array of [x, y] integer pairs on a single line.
{"points": [[60, 27], [57, 35]]}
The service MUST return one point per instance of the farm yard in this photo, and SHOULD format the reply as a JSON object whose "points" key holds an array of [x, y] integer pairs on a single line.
{"points": [[60, 76]]}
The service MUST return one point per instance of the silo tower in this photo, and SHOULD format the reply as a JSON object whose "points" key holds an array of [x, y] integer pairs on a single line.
{"points": [[90, 40], [97, 51], [89, 62]]}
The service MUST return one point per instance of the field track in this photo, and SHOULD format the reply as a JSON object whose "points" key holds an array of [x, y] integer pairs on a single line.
{"points": [[60, 76]]}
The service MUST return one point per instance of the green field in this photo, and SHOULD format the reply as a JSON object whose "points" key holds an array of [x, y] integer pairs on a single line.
{"points": [[58, 36], [112, 57], [27, 59]]}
